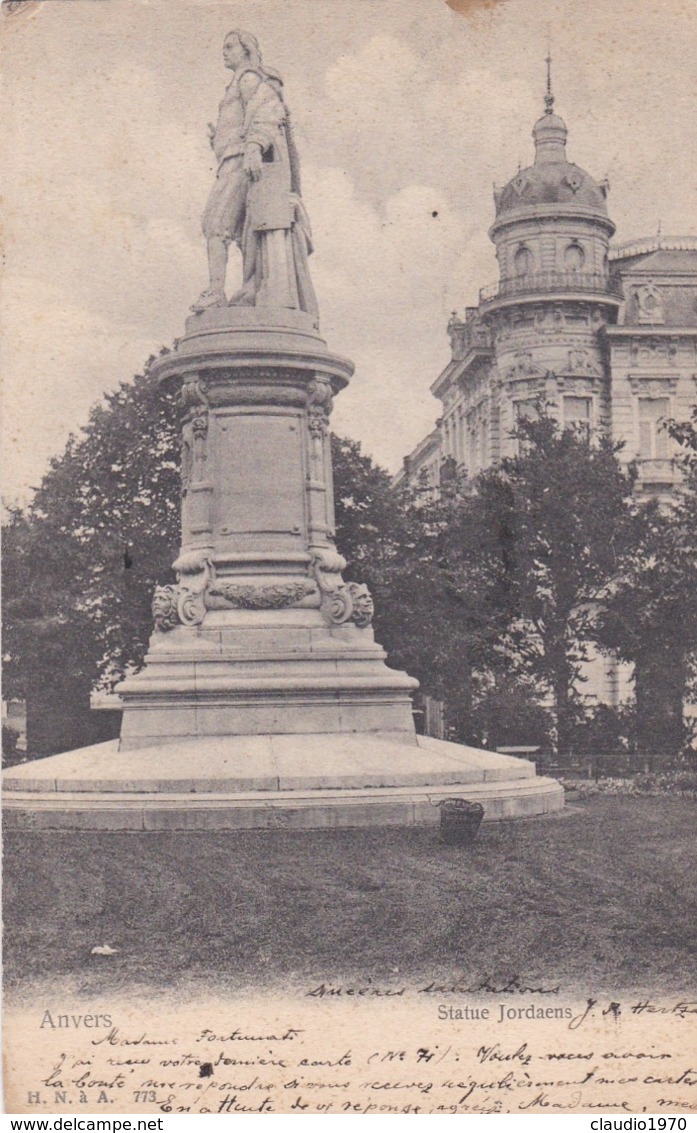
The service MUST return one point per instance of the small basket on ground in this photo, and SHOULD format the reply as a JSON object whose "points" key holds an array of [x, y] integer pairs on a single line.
{"points": [[460, 820]]}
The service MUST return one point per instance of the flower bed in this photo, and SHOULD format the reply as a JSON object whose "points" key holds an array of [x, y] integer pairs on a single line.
{"points": [[683, 783]]}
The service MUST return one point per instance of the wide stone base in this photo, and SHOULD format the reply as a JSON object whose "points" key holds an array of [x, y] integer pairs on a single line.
{"points": [[252, 782], [256, 673]]}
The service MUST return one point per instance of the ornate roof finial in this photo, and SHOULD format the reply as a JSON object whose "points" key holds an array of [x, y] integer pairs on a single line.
{"points": [[549, 97]]}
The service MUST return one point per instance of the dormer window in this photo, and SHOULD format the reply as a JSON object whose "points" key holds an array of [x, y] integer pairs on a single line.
{"points": [[574, 180], [650, 304]]}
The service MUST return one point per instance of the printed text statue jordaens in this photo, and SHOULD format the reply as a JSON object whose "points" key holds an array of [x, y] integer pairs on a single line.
{"points": [[255, 201]]}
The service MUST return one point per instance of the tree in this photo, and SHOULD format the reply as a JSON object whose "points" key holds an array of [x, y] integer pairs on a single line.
{"points": [[649, 615], [685, 433], [440, 629], [80, 563], [540, 536], [369, 519]]}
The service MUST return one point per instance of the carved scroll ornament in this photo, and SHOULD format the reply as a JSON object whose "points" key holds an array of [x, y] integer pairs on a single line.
{"points": [[341, 601], [319, 406], [197, 591], [183, 604]]}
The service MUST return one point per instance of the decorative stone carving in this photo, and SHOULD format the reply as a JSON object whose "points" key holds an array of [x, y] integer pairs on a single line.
{"points": [[582, 362], [576, 385], [523, 367], [194, 572], [454, 331], [319, 407], [574, 180], [529, 389], [199, 426], [183, 603], [327, 565], [257, 375], [653, 385], [186, 461], [291, 396], [164, 607], [653, 351], [195, 392], [248, 597], [342, 601], [197, 591], [193, 450], [470, 335], [650, 304], [199, 432], [363, 606], [351, 602], [597, 318], [521, 184]]}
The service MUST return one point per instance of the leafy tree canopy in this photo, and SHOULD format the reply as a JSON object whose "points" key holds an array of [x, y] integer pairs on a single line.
{"points": [[80, 564], [537, 538]]}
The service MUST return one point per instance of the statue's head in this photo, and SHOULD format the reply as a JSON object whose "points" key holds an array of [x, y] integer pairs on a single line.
{"points": [[241, 47]]}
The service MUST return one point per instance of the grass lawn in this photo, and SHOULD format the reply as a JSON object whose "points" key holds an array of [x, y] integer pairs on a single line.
{"points": [[602, 897]]}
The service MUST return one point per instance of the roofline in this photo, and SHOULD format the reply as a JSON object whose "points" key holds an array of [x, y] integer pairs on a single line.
{"points": [[643, 245], [651, 330], [437, 385], [428, 444]]}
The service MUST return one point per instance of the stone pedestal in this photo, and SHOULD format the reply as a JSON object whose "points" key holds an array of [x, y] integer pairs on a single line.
{"points": [[265, 700], [260, 635]]}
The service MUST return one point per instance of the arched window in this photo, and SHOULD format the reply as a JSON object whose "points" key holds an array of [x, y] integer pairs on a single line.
{"points": [[574, 257], [523, 261]]}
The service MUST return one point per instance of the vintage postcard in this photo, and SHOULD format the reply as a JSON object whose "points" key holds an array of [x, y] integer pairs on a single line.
{"points": [[350, 364]]}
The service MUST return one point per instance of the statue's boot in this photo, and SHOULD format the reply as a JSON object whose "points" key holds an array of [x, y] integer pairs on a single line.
{"points": [[211, 297]]}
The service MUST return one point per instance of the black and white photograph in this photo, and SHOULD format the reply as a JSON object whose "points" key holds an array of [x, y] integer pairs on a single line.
{"points": [[349, 558]]}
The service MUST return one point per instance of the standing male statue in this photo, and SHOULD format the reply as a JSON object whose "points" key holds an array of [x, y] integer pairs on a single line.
{"points": [[255, 201]]}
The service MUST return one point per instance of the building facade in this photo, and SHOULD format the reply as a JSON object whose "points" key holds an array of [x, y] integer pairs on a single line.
{"points": [[604, 336]]}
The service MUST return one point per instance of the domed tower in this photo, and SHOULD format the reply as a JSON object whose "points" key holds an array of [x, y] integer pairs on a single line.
{"points": [[554, 292]]}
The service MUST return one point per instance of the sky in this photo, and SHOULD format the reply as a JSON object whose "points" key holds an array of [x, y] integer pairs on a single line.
{"points": [[406, 112]]}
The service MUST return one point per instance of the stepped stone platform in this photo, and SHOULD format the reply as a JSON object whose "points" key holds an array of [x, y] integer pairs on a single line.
{"points": [[299, 781]]}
